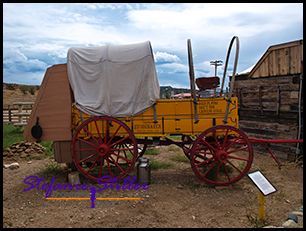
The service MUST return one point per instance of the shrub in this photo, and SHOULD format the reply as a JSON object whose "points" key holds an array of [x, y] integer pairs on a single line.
{"points": [[23, 88], [32, 90], [10, 86]]}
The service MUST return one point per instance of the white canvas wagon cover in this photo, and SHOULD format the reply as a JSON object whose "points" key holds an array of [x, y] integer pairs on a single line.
{"points": [[113, 80]]}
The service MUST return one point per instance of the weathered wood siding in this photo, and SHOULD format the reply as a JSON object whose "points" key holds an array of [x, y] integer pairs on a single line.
{"points": [[268, 97], [282, 59], [268, 107]]}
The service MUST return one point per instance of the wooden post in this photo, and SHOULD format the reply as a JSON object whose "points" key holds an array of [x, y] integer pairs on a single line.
{"points": [[9, 114], [192, 81], [261, 206], [20, 114], [19, 111]]}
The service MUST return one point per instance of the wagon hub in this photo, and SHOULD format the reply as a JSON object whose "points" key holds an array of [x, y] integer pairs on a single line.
{"points": [[221, 155], [103, 150]]}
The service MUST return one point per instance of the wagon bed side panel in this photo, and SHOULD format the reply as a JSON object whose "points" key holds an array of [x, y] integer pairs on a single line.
{"points": [[52, 106]]}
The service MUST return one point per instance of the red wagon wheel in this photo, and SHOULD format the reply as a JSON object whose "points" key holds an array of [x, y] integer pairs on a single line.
{"points": [[104, 146], [221, 155]]}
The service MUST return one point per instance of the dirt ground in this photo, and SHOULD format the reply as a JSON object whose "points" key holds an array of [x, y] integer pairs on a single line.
{"points": [[175, 198]]}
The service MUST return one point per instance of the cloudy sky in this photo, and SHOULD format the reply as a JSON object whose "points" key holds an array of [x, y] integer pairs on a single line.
{"points": [[36, 36]]}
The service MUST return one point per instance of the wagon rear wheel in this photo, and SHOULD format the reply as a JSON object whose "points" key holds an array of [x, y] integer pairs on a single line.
{"points": [[104, 146], [221, 155]]}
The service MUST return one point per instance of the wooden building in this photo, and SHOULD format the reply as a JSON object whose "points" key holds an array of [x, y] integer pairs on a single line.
{"points": [[271, 98]]}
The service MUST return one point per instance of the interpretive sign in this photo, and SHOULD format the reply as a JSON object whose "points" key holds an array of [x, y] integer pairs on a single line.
{"points": [[262, 183]]}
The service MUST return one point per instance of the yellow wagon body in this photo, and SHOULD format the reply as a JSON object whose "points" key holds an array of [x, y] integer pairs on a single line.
{"points": [[171, 117]]}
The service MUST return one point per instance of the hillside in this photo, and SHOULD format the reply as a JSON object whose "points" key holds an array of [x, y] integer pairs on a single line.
{"points": [[13, 93]]}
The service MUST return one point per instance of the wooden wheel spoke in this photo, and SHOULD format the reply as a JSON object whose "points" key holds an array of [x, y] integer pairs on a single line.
{"points": [[216, 139], [87, 158], [228, 177], [232, 143], [201, 147], [106, 131], [109, 168], [209, 145], [122, 149], [121, 157], [98, 132], [117, 142], [114, 135], [91, 135], [225, 139], [238, 149], [205, 161], [115, 162], [234, 166], [86, 142], [212, 165], [101, 166], [207, 153], [93, 164], [238, 158], [217, 173]]}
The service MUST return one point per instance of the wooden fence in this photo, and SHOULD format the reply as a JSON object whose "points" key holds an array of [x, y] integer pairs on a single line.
{"points": [[17, 114]]}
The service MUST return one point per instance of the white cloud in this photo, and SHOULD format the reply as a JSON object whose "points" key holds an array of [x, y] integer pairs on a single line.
{"points": [[173, 68], [17, 60], [215, 20], [111, 6], [173, 84], [165, 57], [44, 32], [18, 68]]}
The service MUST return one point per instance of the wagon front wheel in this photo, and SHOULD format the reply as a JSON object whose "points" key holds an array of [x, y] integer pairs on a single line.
{"points": [[104, 147], [221, 155]]}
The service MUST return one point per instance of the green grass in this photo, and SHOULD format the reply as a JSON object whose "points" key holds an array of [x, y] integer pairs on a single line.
{"points": [[49, 148], [174, 148], [151, 151], [175, 137], [52, 168], [180, 157], [160, 165], [11, 134]]}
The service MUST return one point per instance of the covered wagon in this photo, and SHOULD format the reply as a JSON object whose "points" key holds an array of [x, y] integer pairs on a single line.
{"points": [[102, 109]]}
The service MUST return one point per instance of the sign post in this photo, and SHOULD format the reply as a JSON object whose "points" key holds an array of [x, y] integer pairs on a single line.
{"points": [[261, 214], [265, 188]]}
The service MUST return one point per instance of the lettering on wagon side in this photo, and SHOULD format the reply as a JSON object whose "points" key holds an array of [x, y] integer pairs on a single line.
{"points": [[147, 127], [209, 107]]}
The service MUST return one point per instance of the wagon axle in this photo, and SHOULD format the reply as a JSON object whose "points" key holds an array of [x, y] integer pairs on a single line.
{"points": [[221, 156], [103, 150]]}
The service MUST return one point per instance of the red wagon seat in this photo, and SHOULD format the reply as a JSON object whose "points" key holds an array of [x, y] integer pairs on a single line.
{"points": [[207, 83]]}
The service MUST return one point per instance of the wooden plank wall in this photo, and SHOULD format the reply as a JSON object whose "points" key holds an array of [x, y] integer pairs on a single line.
{"points": [[277, 117], [282, 59]]}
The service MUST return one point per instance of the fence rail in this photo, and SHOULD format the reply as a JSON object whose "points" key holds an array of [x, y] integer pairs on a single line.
{"points": [[18, 114]]}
